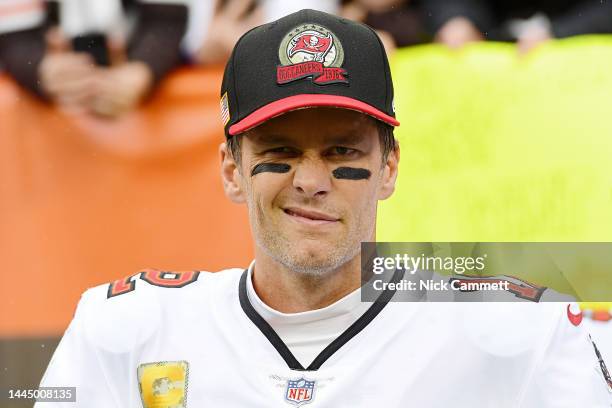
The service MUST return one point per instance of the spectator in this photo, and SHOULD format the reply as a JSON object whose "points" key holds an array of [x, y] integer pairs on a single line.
{"points": [[275, 9], [21, 24], [398, 22], [88, 55], [455, 22], [232, 18]]}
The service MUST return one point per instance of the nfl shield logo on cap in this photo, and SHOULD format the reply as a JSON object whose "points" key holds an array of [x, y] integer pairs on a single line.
{"points": [[300, 391]]}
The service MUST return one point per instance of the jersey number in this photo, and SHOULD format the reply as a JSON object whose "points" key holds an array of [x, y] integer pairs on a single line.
{"points": [[153, 277]]}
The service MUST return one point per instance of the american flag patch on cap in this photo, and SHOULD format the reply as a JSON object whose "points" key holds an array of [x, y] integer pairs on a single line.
{"points": [[225, 113]]}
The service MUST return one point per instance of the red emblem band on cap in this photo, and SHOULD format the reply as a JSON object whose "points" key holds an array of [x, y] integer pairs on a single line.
{"points": [[321, 75]]}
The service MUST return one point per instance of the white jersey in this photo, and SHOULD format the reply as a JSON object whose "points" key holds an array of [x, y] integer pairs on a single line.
{"points": [[193, 339]]}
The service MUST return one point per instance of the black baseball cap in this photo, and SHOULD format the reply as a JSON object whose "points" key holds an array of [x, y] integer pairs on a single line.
{"points": [[306, 59]]}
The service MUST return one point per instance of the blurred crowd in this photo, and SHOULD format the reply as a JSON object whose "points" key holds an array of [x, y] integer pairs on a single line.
{"points": [[107, 56]]}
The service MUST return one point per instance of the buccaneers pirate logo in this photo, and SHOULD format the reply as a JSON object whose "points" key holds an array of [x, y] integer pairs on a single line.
{"points": [[312, 44], [311, 50]]}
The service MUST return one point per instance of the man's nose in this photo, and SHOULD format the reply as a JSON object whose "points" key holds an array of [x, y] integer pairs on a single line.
{"points": [[312, 177]]}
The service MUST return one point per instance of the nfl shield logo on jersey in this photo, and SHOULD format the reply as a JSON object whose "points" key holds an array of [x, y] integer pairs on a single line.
{"points": [[300, 391]]}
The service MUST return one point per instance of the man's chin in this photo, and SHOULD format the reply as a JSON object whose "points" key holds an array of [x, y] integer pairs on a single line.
{"points": [[308, 263], [310, 267]]}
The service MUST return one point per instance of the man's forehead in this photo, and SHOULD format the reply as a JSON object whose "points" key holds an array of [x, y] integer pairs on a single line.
{"points": [[346, 137], [328, 125]]}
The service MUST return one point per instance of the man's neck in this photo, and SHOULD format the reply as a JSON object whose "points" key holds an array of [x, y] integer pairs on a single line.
{"points": [[288, 291]]}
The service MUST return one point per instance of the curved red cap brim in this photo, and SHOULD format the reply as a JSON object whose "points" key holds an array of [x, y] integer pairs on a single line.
{"points": [[294, 102]]}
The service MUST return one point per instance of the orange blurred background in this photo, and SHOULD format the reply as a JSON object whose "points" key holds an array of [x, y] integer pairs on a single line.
{"points": [[84, 201]]}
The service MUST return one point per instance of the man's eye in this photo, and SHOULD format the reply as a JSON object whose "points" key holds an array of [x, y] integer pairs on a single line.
{"points": [[281, 150], [343, 151]]}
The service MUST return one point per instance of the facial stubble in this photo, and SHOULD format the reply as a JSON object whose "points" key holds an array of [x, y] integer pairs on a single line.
{"points": [[329, 256]]}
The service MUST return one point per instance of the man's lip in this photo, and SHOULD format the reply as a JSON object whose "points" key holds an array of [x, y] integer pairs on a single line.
{"points": [[310, 214]]}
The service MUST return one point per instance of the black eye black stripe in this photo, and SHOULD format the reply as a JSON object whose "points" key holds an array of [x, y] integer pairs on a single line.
{"points": [[351, 173], [342, 173], [271, 168]]}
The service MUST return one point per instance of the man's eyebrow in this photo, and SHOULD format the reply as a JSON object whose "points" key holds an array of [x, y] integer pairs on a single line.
{"points": [[270, 138], [349, 138]]}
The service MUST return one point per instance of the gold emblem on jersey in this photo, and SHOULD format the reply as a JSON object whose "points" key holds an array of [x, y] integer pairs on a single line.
{"points": [[163, 384]]}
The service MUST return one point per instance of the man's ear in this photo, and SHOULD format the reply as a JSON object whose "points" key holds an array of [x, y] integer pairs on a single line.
{"points": [[390, 174], [231, 176]]}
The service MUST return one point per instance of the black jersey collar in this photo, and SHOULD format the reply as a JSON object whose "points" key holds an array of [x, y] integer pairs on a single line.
{"points": [[334, 346]]}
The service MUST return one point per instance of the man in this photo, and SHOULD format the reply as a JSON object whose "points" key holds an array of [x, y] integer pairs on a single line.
{"points": [[100, 57], [529, 23], [310, 151]]}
